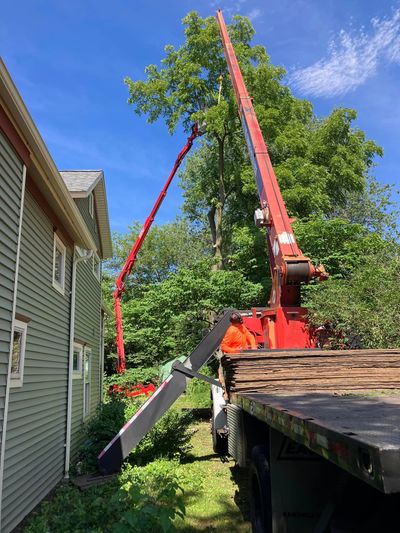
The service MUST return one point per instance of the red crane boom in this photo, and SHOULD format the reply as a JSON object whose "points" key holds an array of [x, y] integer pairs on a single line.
{"points": [[127, 268], [284, 320]]}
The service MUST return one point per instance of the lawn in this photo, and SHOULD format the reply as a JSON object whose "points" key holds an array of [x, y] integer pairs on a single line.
{"points": [[215, 489]]}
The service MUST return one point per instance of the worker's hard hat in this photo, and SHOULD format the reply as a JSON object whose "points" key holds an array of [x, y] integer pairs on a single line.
{"points": [[236, 318]]}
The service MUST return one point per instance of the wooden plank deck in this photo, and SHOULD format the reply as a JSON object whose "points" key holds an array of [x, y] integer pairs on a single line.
{"points": [[302, 371]]}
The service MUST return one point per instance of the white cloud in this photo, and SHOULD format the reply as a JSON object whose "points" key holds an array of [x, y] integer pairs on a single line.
{"points": [[352, 58], [394, 52], [254, 14]]}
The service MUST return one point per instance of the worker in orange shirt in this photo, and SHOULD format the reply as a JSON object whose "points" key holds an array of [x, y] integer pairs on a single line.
{"points": [[237, 336]]}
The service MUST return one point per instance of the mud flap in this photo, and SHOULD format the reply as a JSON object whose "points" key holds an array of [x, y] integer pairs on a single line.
{"points": [[111, 458]]}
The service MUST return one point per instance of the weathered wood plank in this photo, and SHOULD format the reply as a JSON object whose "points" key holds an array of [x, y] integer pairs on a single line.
{"points": [[312, 370]]}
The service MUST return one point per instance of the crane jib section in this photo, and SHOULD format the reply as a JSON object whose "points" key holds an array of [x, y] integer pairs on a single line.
{"points": [[282, 243], [281, 232]]}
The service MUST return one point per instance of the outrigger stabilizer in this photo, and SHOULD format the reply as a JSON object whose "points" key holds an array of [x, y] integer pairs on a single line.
{"points": [[113, 455]]}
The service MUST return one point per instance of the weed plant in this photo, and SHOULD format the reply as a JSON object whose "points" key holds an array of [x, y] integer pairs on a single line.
{"points": [[141, 498]]}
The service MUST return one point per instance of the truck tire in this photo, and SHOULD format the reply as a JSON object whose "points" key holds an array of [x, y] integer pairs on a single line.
{"points": [[219, 421], [220, 444], [260, 491]]}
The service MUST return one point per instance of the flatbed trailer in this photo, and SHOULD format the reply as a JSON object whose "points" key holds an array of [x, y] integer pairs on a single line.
{"points": [[321, 431]]}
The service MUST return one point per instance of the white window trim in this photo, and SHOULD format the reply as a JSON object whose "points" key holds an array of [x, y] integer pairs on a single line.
{"points": [[18, 379], [77, 374], [60, 287], [96, 260], [91, 205], [87, 350]]}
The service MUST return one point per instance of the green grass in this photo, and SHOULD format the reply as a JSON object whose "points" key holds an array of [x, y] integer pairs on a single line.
{"points": [[214, 491], [197, 395]]}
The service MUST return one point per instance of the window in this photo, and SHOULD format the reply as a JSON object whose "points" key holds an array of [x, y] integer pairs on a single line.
{"points": [[77, 361], [91, 205], [96, 267], [18, 353], [59, 254], [86, 381]]}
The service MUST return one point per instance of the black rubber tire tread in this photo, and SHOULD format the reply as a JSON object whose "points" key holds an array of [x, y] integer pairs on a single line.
{"points": [[260, 491], [220, 444]]}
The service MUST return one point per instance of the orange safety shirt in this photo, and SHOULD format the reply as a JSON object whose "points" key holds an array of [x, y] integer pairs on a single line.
{"points": [[237, 338]]}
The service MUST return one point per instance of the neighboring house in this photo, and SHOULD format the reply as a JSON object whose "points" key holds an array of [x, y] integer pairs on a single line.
{"points": [[54, 233]]}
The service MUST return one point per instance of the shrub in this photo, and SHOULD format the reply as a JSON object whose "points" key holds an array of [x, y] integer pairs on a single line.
{"points": [[365, 306], [170, 437], [154, 496], [198, 392], [147, 497], [100, 429], [133, 376]]}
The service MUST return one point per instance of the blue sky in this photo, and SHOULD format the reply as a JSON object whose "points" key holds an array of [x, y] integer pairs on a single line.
{"points": [[69, 58]]}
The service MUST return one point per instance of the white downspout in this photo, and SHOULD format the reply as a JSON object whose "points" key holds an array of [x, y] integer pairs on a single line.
{"points": [[102, 320], [76, 259]]}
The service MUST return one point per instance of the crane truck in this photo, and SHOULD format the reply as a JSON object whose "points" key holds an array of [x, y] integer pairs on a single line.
{"points": [[318, 430]]}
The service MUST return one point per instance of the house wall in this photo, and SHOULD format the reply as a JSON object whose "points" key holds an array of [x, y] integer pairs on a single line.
{"points": [[11, 180], [87, 332], [36, 428], [91, 222]]}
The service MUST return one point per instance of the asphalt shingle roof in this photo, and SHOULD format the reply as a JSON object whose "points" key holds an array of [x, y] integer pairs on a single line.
{"points": [[80, 180], [82, 183]]}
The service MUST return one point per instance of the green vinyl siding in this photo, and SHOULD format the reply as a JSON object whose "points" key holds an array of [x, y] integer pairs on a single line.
{"points": [[37, 411], [11, 171], [87, 332], [83, 206], [36, 428]]}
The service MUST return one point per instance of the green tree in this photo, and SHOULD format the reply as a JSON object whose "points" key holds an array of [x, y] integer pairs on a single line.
{"points": [[341, 246], [318, 174], [185, 90], [319, 163], [366, 304], [168, 319], [373, 208], [166, 248]]}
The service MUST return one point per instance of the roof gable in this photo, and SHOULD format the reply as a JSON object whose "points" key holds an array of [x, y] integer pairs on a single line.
{"points": [[81, 183]]}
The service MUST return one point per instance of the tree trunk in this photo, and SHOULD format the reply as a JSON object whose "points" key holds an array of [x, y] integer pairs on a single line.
{"points": [[216, 211]]}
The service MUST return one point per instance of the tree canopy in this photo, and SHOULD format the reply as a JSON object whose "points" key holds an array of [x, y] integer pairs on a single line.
{"points": [[214, 256], [318, 162]]}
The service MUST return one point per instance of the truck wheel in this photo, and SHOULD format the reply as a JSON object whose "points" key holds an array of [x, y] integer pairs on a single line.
{"points": [[219, 421], [220, 444], [260, 491]]}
